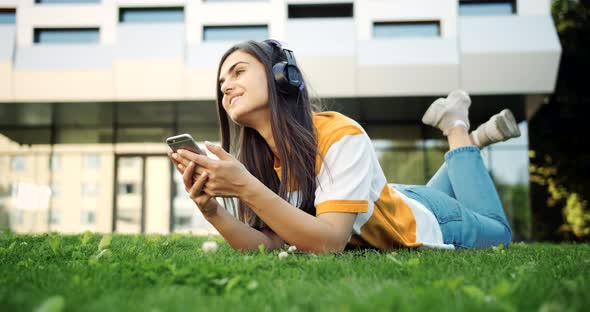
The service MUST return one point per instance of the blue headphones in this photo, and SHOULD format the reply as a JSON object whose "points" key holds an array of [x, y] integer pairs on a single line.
{"points": [[286, 73]]}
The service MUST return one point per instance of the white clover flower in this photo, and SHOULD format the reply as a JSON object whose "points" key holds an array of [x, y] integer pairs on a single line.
{"points": [[209, 247], [292, 248], [283, 254]]}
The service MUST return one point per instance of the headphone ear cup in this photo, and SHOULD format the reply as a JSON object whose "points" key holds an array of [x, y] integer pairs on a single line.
{"points": [[287, 77], [294, 76], [280, 76]]}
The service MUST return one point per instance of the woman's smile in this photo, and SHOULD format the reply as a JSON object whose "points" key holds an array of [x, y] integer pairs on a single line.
{"points": [[234, 100]]}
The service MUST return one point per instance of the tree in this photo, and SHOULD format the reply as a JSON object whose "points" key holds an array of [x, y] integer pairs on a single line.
{"points": [[560, 162]]}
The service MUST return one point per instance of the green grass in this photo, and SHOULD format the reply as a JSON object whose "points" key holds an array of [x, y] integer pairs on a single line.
{"points": [[172, 273]]}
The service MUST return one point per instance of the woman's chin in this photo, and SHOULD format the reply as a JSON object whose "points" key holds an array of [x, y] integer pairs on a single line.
{"points": [[236, 115]]}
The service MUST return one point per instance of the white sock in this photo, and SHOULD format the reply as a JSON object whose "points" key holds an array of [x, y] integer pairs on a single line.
{"points": [[475, 138], [460, 122], [455, 123]]}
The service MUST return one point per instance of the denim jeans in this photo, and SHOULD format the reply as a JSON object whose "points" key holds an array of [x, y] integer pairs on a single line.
{"points": [[464, 200]]}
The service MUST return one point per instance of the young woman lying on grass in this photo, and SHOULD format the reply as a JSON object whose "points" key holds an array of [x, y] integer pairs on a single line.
{"points": [[312, 179]]}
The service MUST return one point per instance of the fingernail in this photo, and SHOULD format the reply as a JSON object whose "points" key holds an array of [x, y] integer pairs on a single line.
{"points": [[179, 151], [179, 166], [174, 156]]}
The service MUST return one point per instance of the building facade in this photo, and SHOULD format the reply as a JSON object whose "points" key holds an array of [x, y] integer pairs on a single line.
{"points": [[90, 89]]}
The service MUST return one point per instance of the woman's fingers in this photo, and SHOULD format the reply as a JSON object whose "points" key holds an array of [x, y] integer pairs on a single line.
{"points": [[197, 171], [184, 162], [187, 176], [176, 163], [196, 189]]}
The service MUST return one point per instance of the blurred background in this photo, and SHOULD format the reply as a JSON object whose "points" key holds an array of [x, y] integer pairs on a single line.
{"points": [[90, 89]]}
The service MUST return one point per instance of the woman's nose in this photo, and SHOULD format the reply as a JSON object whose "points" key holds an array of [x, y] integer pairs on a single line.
{"points": [[226, 87]]}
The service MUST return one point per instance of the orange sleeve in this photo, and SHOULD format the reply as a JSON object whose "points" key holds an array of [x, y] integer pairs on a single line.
{"points": [[342, 206]]}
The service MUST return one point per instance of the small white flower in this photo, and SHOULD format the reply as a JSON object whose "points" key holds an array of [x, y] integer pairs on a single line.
{"points": [[283, 254], [209, 247], [292, 248], [252, 285]]}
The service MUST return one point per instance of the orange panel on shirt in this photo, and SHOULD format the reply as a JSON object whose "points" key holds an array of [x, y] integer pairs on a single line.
{"points": [[391, 225]]}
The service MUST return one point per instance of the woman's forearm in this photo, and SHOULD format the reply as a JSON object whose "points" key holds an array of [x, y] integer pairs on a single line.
{"points": [[239, 235], [292, 224]]}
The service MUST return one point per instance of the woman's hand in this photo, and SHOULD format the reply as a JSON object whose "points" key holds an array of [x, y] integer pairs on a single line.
{"points": [[226, 177], [193, 183]]}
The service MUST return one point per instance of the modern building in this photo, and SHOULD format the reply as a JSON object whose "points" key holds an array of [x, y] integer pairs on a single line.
{"points": [[90, 89]]}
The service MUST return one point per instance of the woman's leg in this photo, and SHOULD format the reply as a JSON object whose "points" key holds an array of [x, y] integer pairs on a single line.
{"points": [[440, 181], [469, 177], [500, 127], [484, 222]]}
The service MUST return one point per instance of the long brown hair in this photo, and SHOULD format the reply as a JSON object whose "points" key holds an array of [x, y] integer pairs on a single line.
{"points": [[293, 132]]}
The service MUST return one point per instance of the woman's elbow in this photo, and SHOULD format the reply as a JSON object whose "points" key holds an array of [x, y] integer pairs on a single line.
{"points": [[324, 247]]}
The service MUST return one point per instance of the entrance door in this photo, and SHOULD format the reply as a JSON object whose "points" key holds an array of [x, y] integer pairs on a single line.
{"points": [[142, 194]]}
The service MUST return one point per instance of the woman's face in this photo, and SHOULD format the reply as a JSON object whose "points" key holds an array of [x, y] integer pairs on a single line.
{"points": [[243, 82]]}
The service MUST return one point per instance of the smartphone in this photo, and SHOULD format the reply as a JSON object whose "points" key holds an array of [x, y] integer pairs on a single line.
{"points": [[184, 141]]}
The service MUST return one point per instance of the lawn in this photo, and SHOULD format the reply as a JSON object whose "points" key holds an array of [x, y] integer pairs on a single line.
{"points": [[92, 272]]}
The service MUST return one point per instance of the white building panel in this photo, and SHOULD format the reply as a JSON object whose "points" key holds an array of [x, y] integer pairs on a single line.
{"points": [[388, 67], [159, 40], [533, 7], [508, 54]]}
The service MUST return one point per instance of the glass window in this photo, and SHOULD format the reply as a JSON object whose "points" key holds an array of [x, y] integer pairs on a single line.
{"points": [[13, 189], [54, 216], [320, 10], [406, 29], [55, 162], [182, 221], [7, 16], [25, 114], [86, 114], [17, 163], [55, 189], [66, 35], [508, 164], [146, 113], [89, 189], [91, 161], [87, 217], [403, 166], [479, 7], [69, 135], [128, 188], [129, 162], [151, 15], [65, 1], [235, 33]]}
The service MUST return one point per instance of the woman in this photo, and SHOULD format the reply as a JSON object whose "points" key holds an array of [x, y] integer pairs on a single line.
{"points": [[313, 180]]}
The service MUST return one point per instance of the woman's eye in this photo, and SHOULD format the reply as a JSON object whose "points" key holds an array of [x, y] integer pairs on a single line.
{"points": [[238, 72]]}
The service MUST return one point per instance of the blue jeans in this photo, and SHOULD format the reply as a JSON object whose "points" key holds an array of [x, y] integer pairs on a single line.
{"points": [[464, 200]]}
